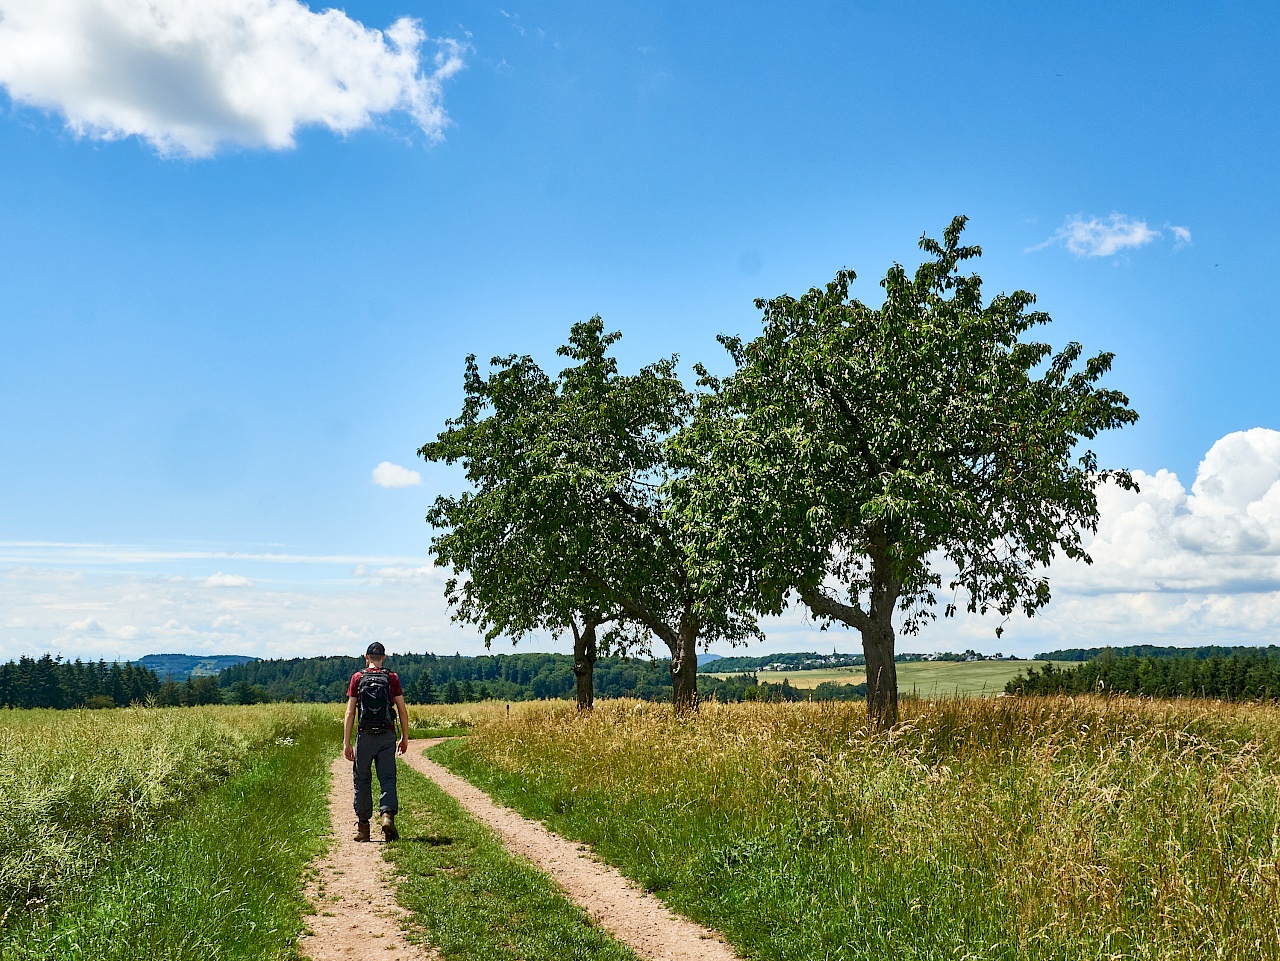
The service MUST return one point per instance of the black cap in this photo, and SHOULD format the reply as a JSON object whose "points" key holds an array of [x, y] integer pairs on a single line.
{"points": [[376, 650]]}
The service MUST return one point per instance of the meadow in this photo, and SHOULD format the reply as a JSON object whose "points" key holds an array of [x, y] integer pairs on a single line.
{"points": [[159, 833], [920, 678], [980, 827]]}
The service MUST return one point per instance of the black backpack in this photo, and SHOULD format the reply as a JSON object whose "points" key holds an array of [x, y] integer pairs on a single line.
{"points": [[374, 693]]}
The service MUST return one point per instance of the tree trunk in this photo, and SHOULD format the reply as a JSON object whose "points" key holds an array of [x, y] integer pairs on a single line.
{"points": [[882, 675], [584, 662], [684, 668]]}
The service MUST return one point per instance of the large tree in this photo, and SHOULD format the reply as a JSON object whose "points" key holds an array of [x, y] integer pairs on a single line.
{"points": [[571, 511], [861, 456]]}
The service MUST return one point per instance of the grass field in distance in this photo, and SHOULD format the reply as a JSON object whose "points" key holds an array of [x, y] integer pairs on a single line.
{"points": [[922, 678]]}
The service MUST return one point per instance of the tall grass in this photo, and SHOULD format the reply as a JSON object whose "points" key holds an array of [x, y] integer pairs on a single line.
{"points": [[219, 878], [76, 783], [1001, 828]]}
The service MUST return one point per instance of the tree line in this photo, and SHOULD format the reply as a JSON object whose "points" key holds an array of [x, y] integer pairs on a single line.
{"points": [[1149, 650], [1247, 674], [454, 679], [50, 681], [858, 461]]}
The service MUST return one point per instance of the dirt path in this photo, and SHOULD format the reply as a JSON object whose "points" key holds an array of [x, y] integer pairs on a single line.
{"points": [[616, 904], [356, 917]]}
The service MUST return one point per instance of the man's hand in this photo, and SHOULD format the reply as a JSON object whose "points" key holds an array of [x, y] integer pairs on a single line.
{"points": [[349, 752], [404, 746]]}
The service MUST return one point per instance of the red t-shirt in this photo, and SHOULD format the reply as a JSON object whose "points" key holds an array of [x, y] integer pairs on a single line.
{"points": [[392, 681]]}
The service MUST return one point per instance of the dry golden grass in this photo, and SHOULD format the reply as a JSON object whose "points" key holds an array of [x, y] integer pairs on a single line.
{"points": [[1044, 828]]}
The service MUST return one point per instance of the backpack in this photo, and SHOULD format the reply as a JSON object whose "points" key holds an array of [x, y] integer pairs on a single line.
{"points": [[374, 693]]}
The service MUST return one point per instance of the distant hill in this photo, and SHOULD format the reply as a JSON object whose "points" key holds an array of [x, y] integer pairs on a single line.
{"points": [[708, 658], [183, 666]]}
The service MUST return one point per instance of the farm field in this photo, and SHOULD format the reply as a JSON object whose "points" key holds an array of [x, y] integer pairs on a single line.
{"points": [[922, 678], [1011, 828], [175, 833]]}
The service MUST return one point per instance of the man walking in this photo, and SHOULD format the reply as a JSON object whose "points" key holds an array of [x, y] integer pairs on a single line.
{"points": [[370, 696]]}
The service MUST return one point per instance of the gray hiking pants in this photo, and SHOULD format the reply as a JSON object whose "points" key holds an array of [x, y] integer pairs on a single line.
{"points": [[377, 751]]}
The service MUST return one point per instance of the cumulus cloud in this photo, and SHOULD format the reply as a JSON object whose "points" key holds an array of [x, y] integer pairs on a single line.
{"points": [[191, 77], [1221, 536], [1098, 237], [227, 580], [388, 474]]}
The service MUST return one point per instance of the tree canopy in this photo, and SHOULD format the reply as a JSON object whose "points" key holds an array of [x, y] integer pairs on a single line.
{"points": [[569, 521], [860, 457]]}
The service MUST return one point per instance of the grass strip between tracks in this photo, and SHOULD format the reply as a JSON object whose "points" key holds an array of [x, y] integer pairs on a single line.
{"points": [[223, 880], [473, 901]]}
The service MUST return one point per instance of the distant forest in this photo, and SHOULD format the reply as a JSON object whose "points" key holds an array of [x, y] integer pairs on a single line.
{"points": [[50, 681], [1249, 674], [1147, 650], [445, 679], [53, 682]]}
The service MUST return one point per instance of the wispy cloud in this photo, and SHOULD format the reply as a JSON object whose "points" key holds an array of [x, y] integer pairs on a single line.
{"points": [[1175, 563], [191, 77], [227, 580], [1105, 237], [388, 474]]}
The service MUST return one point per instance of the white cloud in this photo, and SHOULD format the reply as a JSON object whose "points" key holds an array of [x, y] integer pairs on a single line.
{"points": [[87, 625], [388, 474], [189, 77], [1182, 236], [227, 580], [1095, 237]]}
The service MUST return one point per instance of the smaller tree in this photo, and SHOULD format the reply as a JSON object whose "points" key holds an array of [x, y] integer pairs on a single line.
{"points": [[507, 579], [569, 524]]}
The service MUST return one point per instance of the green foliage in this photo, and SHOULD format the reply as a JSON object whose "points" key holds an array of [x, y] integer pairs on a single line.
{"points": [[1149, 650], [1252, 674], [569, 517], [1027, 829], [52, 682], [433, 679], [79, 783], [471, 900], [219, 876], [860, 446]]}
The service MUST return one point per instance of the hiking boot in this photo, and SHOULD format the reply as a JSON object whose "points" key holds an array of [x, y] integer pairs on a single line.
{"points": [[389, 832], [362, 831]]}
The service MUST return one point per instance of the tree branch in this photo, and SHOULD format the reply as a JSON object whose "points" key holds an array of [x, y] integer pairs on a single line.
{"points": [[825, 606]]}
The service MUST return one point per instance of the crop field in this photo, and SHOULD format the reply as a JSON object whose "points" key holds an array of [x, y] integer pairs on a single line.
{"points": [[120, 827], [921, 678], [980, 828]]}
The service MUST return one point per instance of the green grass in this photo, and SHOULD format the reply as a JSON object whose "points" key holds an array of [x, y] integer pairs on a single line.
{"points": [[214, 873], [473, 901], [1037, 828], [921, 678]]}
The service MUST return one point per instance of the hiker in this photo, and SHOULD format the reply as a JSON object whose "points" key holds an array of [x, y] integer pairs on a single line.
{"points": [[371, 695]]}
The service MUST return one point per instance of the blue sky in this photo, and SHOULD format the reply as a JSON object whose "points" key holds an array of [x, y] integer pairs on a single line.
{"points": [[215, 321]]}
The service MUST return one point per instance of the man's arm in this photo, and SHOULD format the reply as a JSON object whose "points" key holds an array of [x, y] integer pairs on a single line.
{"points": [[403, 710], [348, 723]]}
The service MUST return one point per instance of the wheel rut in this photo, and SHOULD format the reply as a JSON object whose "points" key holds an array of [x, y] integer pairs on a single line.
{"points": [[630, 914], [357, 918]]}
